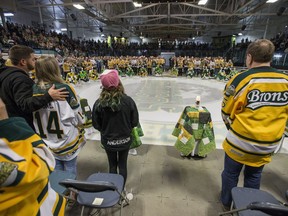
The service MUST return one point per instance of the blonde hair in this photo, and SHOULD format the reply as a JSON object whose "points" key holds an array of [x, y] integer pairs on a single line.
{"points": [[111, 98], [47, 70]]}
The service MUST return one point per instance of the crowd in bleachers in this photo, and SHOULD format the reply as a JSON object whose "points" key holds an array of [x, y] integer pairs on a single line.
{"points": [[100, 56], [281, 41], [39, 38]]}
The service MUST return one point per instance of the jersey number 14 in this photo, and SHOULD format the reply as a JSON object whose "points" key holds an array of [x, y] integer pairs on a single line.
{"points": [[53, 120]]}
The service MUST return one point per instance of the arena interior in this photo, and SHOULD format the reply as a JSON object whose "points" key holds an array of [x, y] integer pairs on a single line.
{"points": [[167, 53]]}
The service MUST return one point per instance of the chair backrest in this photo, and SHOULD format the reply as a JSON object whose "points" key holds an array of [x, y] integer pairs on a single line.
{"points": [[269, 208], [251, 202], [85, 186]]}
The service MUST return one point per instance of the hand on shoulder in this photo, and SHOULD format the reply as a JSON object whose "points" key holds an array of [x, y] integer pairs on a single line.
{"points": [[58, 94], [3, 111]]}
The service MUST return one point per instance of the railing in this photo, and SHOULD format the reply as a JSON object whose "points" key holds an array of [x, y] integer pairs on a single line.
{"points": [[45, 52], [38, 51], [280, 59]]}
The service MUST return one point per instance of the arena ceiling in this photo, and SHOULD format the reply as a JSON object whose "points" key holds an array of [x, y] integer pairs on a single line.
{"points": [[164, 19]]}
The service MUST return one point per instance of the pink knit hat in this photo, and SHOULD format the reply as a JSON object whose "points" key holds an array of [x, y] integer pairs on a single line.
{"points": [[109, 78]]}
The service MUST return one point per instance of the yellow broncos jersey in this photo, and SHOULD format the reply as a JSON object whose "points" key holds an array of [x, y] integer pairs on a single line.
{"points": [[255, 110], [26, 163]]}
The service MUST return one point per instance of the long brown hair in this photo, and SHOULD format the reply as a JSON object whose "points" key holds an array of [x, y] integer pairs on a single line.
{"points": [[47, 70], [111, 97]]}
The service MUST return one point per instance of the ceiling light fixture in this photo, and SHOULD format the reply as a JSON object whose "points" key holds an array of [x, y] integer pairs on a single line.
{"points": [[63, 29], [277, 56], [78, 6], [8, 14], [136, 4], [271, 1], [202, 2]]}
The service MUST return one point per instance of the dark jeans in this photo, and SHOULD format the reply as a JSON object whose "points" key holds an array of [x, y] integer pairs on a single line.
{"points": [[118, 159], [230, 176]]}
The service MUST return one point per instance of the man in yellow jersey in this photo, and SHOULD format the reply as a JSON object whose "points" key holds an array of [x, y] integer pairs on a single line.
{"points": [[254, 109], [25, 165]]}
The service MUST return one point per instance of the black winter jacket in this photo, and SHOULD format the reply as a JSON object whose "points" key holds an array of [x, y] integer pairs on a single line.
{"points": [[16, 92], [116, 127]]}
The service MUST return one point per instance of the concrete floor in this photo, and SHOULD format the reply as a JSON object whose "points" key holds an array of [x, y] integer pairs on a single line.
{"points": [[162, 182]]}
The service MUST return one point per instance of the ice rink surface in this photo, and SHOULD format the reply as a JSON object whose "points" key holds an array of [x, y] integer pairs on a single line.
{"points": [[161, 100]]}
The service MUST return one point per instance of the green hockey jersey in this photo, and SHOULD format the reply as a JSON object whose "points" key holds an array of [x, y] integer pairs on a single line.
{"points": [[25, 165]]}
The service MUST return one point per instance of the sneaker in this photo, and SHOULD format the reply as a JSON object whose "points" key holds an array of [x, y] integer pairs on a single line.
{"points": [[226, 208], [185, 156], [133, 152]]}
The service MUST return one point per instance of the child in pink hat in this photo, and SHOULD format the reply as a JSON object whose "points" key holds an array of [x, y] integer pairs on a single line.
{"points": [[114, 115], [109, 79]]}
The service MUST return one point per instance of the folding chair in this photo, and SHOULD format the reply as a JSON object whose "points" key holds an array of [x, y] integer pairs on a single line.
{"points": [[254, 202], [100, 190]]}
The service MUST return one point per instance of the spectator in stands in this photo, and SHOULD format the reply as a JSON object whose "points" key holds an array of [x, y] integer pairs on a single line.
{"points": [[254, 110], [115, 114], [16, 85], [26, 163], [65, 68]]}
